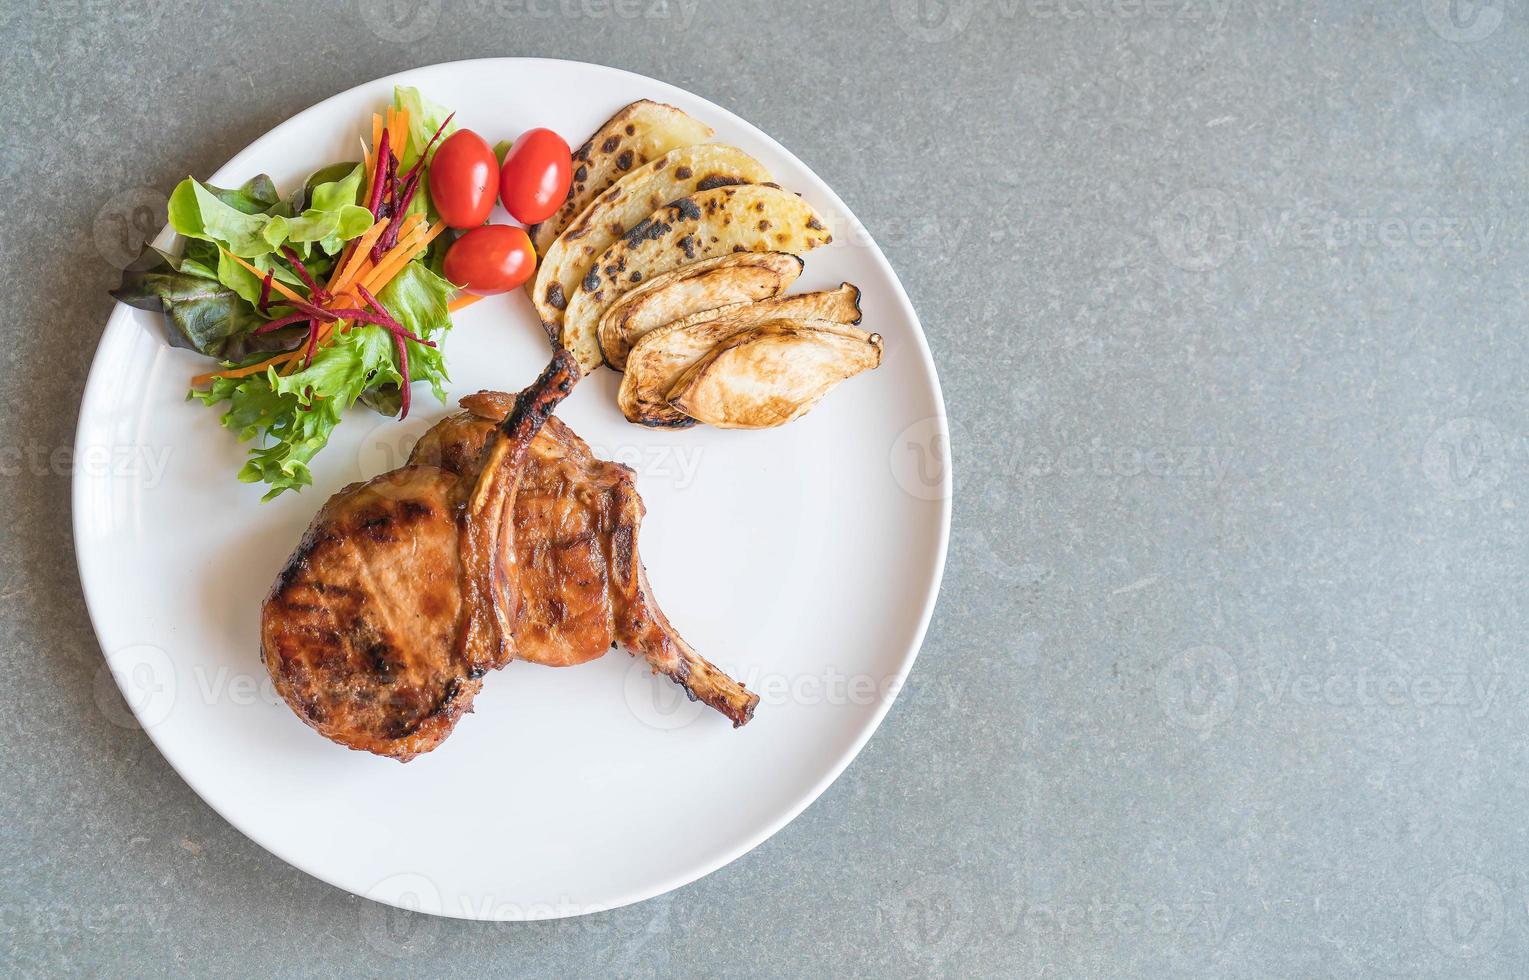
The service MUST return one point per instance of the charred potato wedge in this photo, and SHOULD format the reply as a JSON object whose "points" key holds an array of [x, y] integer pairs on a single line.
{"points": [[641, 132], [739, 277], [661, 356], [772, 374], [747, 218], [672, 176]]}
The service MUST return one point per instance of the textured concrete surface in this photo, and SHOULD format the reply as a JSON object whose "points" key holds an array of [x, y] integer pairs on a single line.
{"points": [[1228, 677]]}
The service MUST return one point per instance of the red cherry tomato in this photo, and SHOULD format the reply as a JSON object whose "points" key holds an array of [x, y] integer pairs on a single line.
{"points": [[462, 179], [537, 171], [491, 259]]}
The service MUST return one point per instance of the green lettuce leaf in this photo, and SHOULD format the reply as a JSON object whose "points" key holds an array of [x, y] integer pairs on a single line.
{"points": [[200, 312], [330, 230], [199, 259], [196, 212], [248, 285], [206, 214], [334, 173], [425, 117], [257, 196], [292, 417], [420, 301]]}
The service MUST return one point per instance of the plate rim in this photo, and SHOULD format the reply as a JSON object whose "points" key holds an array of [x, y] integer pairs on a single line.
{"points": [[95, 382]]}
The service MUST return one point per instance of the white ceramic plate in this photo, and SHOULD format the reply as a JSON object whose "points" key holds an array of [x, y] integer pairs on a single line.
{"points": [[803, 560]]}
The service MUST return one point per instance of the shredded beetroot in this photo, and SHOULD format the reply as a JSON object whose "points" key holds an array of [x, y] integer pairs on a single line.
{"points": [[313, 311], [403, 370], [318, 293], [400, 335], [401, 205], [403, 190], [425, 153], [386, 322], [313, 343], [393, 180], [383, 152], [265, 292], [285, 321]]}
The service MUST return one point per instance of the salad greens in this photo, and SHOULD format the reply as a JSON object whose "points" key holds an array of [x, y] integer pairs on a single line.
{"points": [[254, 275]]}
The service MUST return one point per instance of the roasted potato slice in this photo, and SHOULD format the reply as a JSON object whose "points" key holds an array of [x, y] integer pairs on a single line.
{"points": [[641, 132], [672, 176], [738, 277], [660, 356], [747, 218], [773, 373]]}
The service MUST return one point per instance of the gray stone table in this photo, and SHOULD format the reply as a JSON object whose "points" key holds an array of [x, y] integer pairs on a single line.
{"points": [[1229, 673]]}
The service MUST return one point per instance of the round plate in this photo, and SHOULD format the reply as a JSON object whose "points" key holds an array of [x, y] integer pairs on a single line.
{"points": [[802, 560]]}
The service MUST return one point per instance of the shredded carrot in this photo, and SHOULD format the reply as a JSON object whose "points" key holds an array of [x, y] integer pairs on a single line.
{"points": [[401, 133], [276, 284], [354, 269], [395, 260], [248, 369], [359, 250], [357, 261]]}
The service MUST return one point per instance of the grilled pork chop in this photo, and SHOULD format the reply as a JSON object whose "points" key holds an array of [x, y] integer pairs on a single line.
{"points": [[382, 624], [581, 587]]}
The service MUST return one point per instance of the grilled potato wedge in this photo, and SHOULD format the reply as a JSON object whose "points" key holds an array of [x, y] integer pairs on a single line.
{"points": [[738, 277], [641, 132], [747, 218], [772, 373], [674, 175], [661, 356]]}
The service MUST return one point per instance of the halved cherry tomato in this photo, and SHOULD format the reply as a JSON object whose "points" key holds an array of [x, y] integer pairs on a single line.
{"points": [[537, 172], [491, 259], [462, 179]]}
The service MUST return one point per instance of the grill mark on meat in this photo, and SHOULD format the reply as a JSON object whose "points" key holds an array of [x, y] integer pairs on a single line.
{"points": [[582, 585]]}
